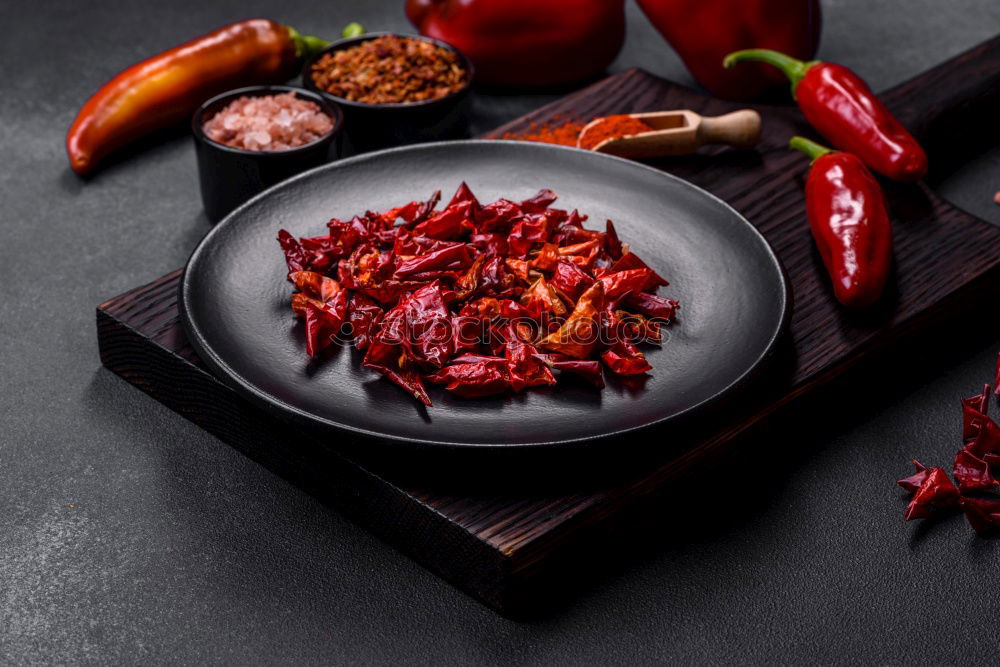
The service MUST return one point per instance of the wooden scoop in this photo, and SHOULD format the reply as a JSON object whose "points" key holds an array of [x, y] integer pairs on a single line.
{"points": [[681, 133]]}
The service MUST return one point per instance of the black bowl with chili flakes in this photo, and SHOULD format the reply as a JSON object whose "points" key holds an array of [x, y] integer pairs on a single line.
{"points": [[433, 82]]}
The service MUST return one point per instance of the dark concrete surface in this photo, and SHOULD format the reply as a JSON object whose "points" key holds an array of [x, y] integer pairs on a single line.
{"points": [[128, 535]]}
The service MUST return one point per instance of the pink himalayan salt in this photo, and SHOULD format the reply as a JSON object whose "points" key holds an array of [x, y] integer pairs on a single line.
{"points": [[268, 123]]}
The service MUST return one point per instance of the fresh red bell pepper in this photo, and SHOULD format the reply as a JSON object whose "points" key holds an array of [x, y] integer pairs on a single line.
{"points": [[527, 42], [841, 106], [847, 215], [704, 31]]}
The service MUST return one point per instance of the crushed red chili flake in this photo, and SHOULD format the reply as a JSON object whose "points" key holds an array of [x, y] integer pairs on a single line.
{"points": [[483, 299], [390, 70]]}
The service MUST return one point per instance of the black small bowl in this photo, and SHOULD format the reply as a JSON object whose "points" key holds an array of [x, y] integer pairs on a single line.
{"points": [[230, 176], [374, 126]]}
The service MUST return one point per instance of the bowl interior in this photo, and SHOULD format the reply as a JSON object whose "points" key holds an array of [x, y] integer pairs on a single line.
{"points": [[310, 84], [217, 103]]}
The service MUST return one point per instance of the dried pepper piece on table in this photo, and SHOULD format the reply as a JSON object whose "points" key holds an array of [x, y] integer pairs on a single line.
{"points": [[983, 515], [932, 488], [935, 492], [972, 473], [913, 482]]}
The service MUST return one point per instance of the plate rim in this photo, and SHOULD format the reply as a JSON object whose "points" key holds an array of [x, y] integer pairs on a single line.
{"points": [[228, 376]]}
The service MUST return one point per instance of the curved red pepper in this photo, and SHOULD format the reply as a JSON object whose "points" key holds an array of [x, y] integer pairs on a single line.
{"points": [[526, 42], [841, 106], [704, 31], [168, 87], [847, 215]]}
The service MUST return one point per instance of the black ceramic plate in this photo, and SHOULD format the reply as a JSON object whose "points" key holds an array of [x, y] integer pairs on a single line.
{"points": [[733, 295]]}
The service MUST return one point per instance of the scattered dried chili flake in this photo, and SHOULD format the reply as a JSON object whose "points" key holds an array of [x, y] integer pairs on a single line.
{"points": [[974, 409], [996, 381], [913, 482], [390, 70], [483, 299], [983, 515], [987, 440], [936, 492], [972, 473], [932, 488]]}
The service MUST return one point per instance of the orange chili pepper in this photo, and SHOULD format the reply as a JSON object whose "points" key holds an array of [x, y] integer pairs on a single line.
{"points": [[167, 88]]}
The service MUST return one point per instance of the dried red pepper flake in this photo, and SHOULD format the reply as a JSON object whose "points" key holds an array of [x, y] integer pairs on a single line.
{"points": [[974, 410], [913, 482], [933, 489], [323, 322], [588, 370], [972, 473], [987, 440], [483, 299], [996, 378], [481, 378], [390, 70], [936, 492], [983, 515]]}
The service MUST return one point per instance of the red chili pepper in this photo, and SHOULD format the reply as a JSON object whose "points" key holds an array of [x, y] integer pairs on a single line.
{"points": [[704, 31], [541, 299], [987, 440], [846, 211], [974, 413], [167, 88], [459, 311], [624, 358], [580, 334], [453, 257], [620, 283], [972, 473], [935, 492], [364, 315], [481, 378], [913, 482], [323, 322], [589, 370], [841, 106], [630, 261], [523, 368], [996, 381], [526, 42], [651, 305], [983, 515]]}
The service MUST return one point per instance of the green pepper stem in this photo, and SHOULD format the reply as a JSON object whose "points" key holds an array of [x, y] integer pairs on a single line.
{"points": [[793, 68], [352, 29], [813, 150], [306, 46]]}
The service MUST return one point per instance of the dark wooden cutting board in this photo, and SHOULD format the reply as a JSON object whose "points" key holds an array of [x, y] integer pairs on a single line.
{"points": [[498, 529]]}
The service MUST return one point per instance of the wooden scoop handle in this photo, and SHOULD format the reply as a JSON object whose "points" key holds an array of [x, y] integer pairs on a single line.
{"points": [[739, 129]]}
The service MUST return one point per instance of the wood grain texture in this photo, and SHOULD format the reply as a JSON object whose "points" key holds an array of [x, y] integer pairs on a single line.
{"points": [[497, 541]]}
